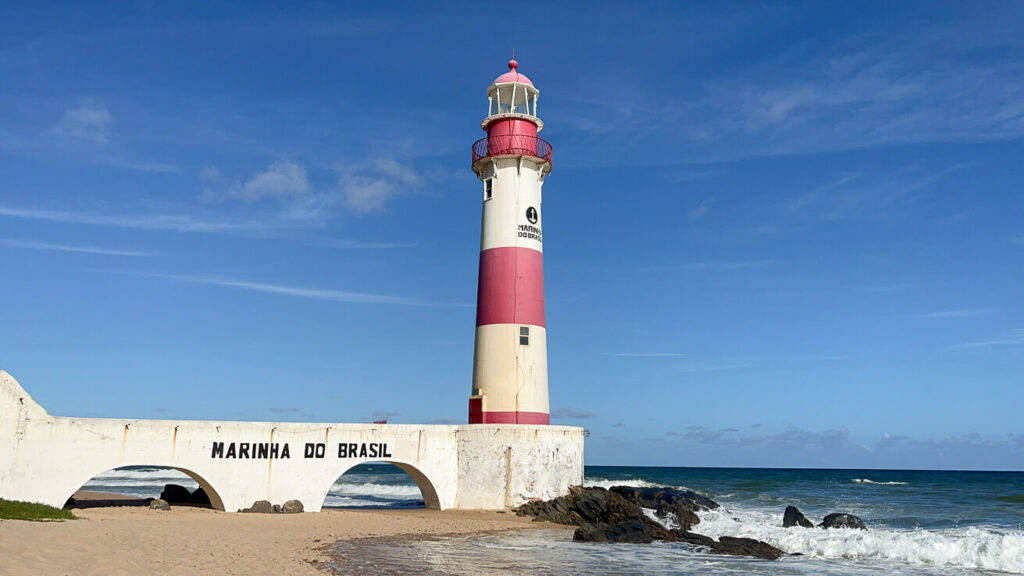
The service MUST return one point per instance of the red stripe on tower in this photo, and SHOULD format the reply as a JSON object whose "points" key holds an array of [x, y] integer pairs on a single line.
{"points": [[511, 289], [513, 418]]}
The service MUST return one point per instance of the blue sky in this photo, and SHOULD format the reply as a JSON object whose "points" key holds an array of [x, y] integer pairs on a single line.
{"points": [[777, 235]]}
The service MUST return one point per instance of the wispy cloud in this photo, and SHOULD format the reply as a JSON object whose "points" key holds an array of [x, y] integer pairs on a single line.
{"points": [[692, 175], [280, 181], [384, 414], [647, 354], [823, 358], [300, 292], [798, 447], [922, 83], [30, 245], [368, 187], [142, 166], [89, 121], [444, 421], [702, 209], [1014, 337], [178, 223], [283, 410], [722, 265], [856, 195], [713, 365], [359, 245], [570, 414], [962, 313]]}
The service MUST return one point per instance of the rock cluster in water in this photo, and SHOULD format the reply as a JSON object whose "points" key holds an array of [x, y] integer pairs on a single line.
{"points": [[793, 517], [617, 515]]}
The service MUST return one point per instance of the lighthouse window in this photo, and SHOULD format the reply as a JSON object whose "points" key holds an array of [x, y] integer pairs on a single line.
{"points": [[488, 188], [524, 335]]}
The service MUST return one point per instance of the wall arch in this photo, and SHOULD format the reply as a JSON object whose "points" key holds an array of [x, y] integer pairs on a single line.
{"points": [[425, 485], [216, 501]]}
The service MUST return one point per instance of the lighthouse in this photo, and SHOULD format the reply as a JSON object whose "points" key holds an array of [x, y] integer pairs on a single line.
{"points": [[510, 360]]}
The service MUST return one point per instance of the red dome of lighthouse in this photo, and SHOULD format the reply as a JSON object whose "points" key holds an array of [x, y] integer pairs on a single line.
{"points": [[513, 75]]}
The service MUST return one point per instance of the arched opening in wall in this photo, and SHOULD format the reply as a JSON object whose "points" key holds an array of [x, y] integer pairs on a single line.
{"points": [[138, 485], [382, 485]]}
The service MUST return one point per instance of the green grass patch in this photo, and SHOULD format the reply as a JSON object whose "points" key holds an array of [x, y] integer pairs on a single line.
{"points": [[14, 510]]}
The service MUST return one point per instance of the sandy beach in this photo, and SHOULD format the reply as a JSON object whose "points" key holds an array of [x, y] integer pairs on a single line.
{"points": [[133, 540]]}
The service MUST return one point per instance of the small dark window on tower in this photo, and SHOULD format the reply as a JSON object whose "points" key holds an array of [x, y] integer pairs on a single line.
{"points": [[524, 335], [488, 188]]}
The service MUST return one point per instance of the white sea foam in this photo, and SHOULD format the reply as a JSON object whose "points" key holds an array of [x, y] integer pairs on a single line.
{"points": [[139, 482], [388, 491], [975, 547], [633, 482], [870, 481]]}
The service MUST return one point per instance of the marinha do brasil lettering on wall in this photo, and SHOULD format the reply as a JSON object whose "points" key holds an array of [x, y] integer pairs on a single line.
{"points": [[281, 450]]}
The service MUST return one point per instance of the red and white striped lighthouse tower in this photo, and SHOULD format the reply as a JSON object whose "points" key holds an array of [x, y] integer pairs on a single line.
{"points": [[510, 361]]}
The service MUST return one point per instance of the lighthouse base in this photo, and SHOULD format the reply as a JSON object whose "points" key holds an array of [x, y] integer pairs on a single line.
{"points": [[45, 458]]}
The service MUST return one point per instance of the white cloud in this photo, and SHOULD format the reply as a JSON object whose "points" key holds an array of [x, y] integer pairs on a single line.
{"points": [[89, 121], [369, 188], [280, 181]]}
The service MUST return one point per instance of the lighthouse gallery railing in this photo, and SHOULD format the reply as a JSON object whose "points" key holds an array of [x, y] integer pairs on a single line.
{"points": [[512, 145]]}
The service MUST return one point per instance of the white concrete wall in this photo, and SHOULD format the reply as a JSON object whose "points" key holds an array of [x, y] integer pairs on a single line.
{"points": [[46, 459]]}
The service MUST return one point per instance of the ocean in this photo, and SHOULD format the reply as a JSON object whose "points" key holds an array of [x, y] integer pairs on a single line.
{"points": [[919, 522]]}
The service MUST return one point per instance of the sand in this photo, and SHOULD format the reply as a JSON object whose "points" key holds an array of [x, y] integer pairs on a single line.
{"points": [[111, 540]]}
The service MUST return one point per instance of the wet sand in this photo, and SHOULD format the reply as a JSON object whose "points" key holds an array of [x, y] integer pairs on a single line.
{"points": [[120, 536]]}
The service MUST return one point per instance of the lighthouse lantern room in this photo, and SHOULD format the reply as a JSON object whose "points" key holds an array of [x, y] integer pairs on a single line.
{"points": [[510, 371]]}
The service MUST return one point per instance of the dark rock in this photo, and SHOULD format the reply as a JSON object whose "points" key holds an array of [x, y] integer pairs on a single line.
{"points": [[839, 520], [583, 506], [793, 517], [259, 507], [683, 504], [609, 516], [159, 505], [684, 516], [276, 509], [746, 547], [694, 538], [200, 497], [292, 507], [631, 531], [176, 494]]}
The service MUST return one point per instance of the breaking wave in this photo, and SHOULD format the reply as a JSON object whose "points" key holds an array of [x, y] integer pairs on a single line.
{"points": [[870, 481], [974, 547]]}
